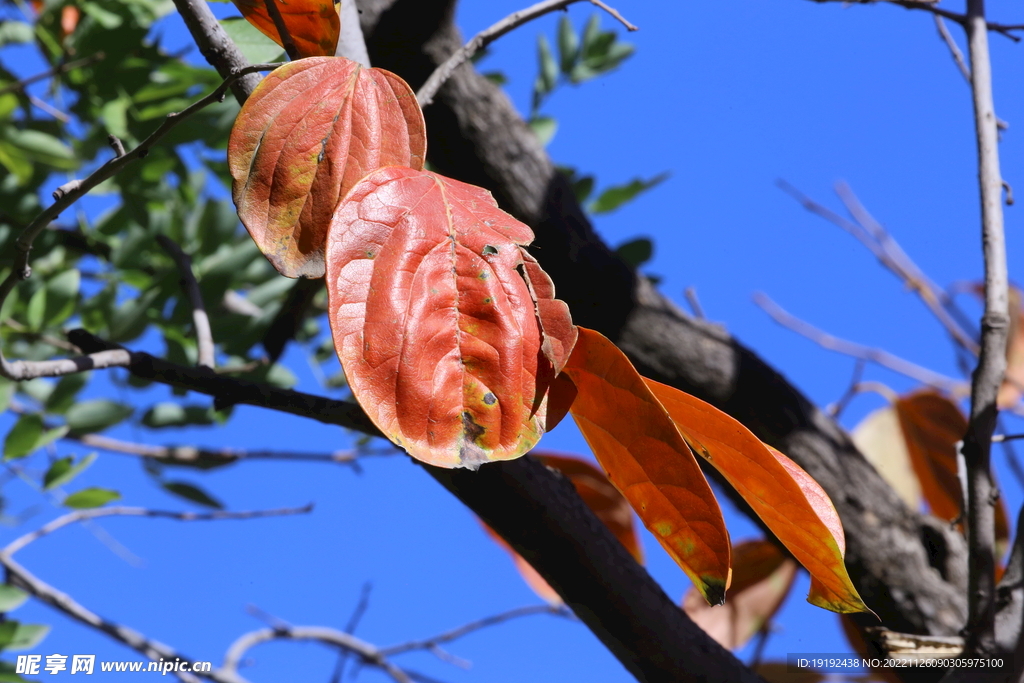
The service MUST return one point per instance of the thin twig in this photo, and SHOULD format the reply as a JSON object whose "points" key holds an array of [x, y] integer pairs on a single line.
{"points": [[454, 634], [67, 195], [124, 511], [350, 627], [926, 5], [59, 69], [877, 356], [481, 40], [365, 651], [879, 242], [200, 320], [961, 64], [19, 576], [691, 298], [995, 323], [851, 390], [282, 29]]}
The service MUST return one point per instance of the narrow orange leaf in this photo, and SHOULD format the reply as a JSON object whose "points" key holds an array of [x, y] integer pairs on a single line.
{"points": [[600, 496], [446, 335], [786, 499], [646, 458], [761, 578], [314, 25], [307, 134]]}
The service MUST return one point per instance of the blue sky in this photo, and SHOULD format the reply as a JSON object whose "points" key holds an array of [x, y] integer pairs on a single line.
{"points": [[728, 97]]}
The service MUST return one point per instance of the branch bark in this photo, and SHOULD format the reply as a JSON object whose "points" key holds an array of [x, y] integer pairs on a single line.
{"points": [[995, 323]]}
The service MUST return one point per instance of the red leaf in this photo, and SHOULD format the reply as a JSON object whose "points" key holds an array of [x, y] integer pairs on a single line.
{"points": [[434, 320], [313, 25], [761, 579], [308, 133], [785, 497], [647, 459]]}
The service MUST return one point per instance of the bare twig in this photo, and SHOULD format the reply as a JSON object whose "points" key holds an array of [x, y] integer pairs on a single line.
{"points": [[965, 71], [366, 652], [67, 195], [64, 603], [851, 390], [877, 356], [995, 323], [691, 298], [431, 643], [45, 338], [481, 40], [879, 242], [350, 627], [282, 29], [190, 455], [116, 144], [200, 321], [124, 511], [962, 19], [59, 69]]}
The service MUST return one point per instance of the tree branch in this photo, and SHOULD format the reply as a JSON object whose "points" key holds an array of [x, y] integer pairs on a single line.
{"points": [[18, 575], [216, 46], [878, 356], [988, 376], [64, 197], [200, 321], [366, 652], [59, 69], [425, 95]]}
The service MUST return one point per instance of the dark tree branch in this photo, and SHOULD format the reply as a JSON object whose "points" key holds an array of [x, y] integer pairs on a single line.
{"points": [[215, 45]]}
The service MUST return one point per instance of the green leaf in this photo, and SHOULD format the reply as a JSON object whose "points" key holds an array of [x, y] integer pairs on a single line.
{"points": [[15, 161], [568, 44], [92, 497], [169, 414], [8, 674], [11, 597], [61, 296], [64, 470], [23, 437], [192, 493], [615, 197], [115, 116], [6, 393], [40, 147], [36, 311], [18, 636], [15, 32], [636, 252], [498, 78], [544, 127], [96, 415], [63, 395], [547, 76], [255, 46], [104, 17]]}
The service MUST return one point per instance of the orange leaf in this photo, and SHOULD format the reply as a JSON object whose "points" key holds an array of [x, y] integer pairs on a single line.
{"points": [[307, 134], [932, 425], [761, 579], [600, 496], [433, 311], [314, 25], [786, 499], [647, 459]]}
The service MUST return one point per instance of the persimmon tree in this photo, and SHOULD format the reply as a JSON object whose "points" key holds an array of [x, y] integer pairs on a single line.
{"points": [[472, 307]]}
